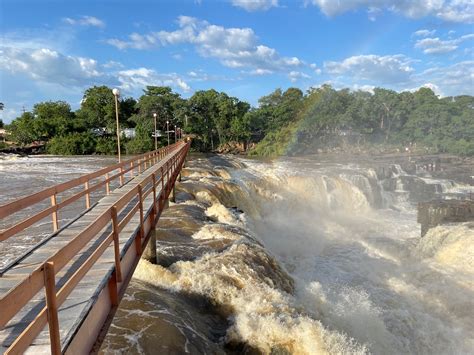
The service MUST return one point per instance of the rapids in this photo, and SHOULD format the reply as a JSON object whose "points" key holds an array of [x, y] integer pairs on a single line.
{"points": [[300, 257]]}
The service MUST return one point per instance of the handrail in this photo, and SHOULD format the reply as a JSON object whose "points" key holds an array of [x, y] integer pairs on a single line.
{"points": [[51, 192], [44, 275]]}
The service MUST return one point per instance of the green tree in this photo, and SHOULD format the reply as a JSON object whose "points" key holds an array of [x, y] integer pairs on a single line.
{"points": [[23, 130], [53, 119], [168, 106]]}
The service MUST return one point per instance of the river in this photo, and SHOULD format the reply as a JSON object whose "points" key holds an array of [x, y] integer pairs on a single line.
{"points": [[297, 255]]}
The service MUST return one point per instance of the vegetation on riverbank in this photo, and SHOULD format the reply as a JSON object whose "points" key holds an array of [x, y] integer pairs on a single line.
{"points": [[285, 122]]}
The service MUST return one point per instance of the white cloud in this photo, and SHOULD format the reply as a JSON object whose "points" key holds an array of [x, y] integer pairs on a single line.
{"points": [[424, 33], [45, 65], [396, 73], [49, 67], [382, 69], [261, 72], [255, 5], [233, 47], [294, 76], [367, 88], [85, 21], [461, 11], [136, 79], [435, 88], [438, 46], [456, 79]]}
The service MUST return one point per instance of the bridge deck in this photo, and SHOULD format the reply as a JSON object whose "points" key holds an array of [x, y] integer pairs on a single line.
{"points": [[81, 300]]}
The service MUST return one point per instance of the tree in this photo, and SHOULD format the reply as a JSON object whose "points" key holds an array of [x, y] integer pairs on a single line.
{"points": [[98, 108], [53, 119], [168, 106], [22, 129]]}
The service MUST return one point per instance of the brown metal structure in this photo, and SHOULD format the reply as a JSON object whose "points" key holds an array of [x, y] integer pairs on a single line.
{"points": [[85, 267]]}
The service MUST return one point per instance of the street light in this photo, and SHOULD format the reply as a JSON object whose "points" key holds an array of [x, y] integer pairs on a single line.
{"points": [[168, 130], [116, 93], [156, 143], [175, 133]]}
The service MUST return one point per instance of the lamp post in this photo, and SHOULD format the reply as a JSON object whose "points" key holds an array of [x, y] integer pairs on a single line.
{"points": [[168, 131], [156, 142], [116, 93], [175, 133]]}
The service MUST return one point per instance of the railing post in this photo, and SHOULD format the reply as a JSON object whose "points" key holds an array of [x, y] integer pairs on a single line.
{"points": [[115, 226], [131, 169], [142, 232], [139, 166], [52, 309], [121, 176], [88, 195], [107, 184], [55, 213]]}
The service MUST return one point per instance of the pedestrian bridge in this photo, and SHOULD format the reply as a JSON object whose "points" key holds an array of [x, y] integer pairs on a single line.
{"points": [[61, 295]]}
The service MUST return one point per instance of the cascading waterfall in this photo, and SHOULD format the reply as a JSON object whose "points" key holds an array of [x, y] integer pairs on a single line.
{"points": [[303, 258]]}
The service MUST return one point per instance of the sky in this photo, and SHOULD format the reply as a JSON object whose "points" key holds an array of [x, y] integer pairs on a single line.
{"points": [[55, 50]]}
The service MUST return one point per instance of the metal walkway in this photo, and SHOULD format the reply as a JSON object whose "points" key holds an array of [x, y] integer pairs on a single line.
{"points": [[61, 296]]}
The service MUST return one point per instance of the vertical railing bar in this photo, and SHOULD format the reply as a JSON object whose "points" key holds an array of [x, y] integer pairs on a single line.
{"points": [[52, 309], [115, 231], [54, 215], [88, 195], [107, 184]]}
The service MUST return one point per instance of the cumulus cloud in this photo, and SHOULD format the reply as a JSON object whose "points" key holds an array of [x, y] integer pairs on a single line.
{"points": [[382, 69], [255, 5], [295, 76], [452, 80], [46, 66], [396, 72], [136, 79], [461, 11], [424, 33], [438, 46], [233, 47], [50, 66], [85, 21]]}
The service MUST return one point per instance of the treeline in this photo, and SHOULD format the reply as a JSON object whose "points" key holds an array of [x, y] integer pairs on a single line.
{"points": [[285, 122], [326, 118]]}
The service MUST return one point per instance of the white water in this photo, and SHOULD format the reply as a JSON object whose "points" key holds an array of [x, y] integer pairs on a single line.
{"points": [[329, 271], [364, 281]]}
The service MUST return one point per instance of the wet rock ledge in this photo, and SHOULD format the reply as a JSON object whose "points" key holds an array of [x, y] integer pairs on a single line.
{"points": [[434, 213]]}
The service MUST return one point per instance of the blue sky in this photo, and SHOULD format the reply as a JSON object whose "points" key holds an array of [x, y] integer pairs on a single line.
{"points": [[54, 50]]}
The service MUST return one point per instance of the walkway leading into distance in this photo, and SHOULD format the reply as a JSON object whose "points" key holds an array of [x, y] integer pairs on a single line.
{"points": [[61, 296]]}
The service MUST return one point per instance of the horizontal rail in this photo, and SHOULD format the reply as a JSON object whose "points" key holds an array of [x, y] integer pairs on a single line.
{"points": [[18, 297], [29, 201]]}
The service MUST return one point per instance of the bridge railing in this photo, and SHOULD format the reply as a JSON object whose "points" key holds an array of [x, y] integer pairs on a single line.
{"points": [[158, 182], [91, 182]]}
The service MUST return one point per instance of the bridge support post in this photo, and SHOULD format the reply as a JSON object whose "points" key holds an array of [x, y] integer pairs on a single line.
{"points": [[173, 194], [149, 253]]}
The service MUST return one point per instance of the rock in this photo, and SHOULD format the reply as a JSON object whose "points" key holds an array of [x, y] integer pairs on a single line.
{"points": [[434, 213]]}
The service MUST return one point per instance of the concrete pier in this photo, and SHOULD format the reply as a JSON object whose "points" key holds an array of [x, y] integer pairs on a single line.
{"points": [[434, 213]]}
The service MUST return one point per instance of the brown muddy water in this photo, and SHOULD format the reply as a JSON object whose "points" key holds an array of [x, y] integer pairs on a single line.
{"points": [[294, 256]]}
